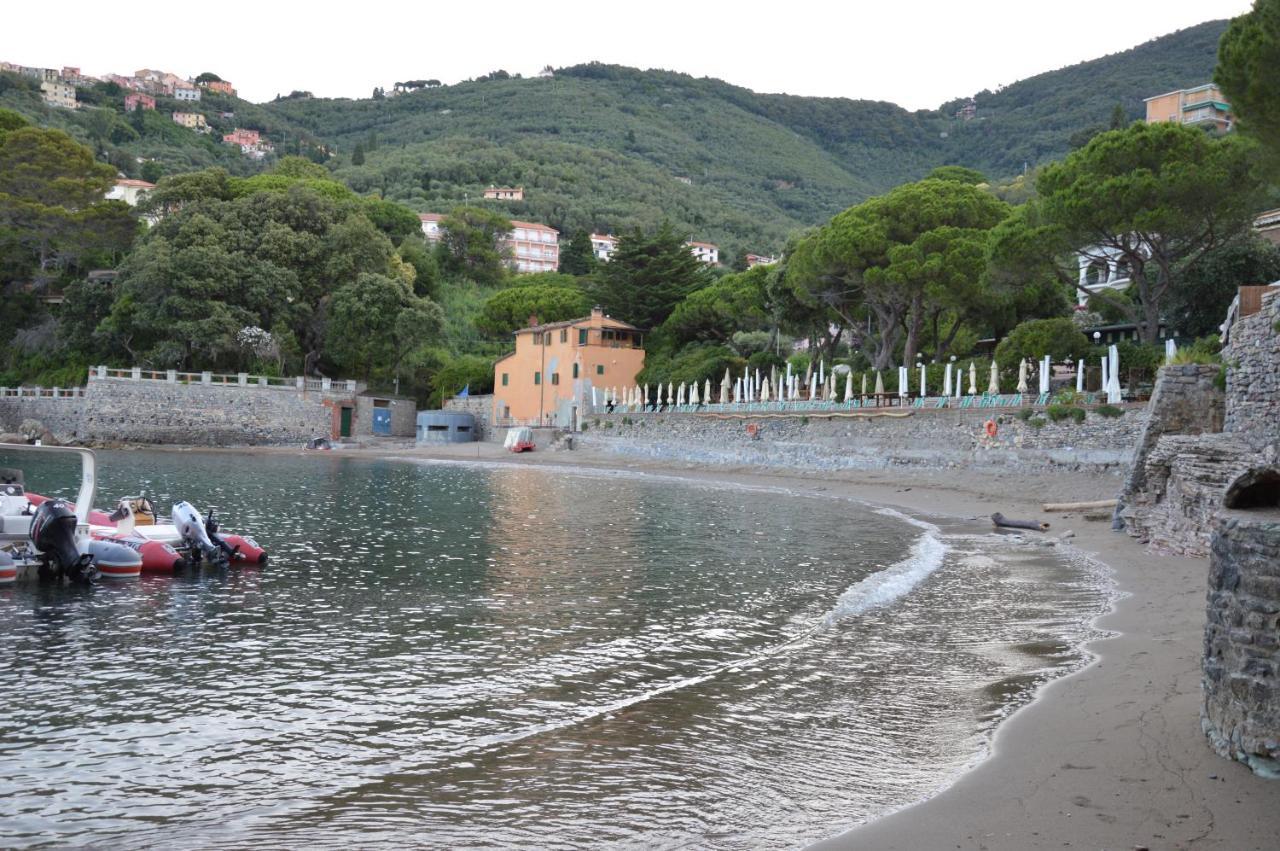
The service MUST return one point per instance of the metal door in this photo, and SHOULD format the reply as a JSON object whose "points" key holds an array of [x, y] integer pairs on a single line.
{"points": [[344, 424], [382, 421]]}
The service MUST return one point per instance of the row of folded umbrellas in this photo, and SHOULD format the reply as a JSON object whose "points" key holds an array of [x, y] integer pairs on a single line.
{"points": [[820, 385]]}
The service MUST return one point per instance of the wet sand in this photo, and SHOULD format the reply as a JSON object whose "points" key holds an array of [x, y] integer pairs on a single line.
{"points": [[1111, 757]]}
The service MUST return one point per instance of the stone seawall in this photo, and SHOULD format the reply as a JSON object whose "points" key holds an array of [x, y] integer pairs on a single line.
{"points": [[924, 438], [1241, 709], [159, 412]]}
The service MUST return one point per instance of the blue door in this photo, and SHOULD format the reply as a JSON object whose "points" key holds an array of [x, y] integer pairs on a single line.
{"points": [[382, 421]]}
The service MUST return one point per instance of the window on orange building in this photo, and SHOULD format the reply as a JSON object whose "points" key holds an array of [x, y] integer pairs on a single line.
{"points": [[537, 378], [564, 335], [555, 378], [575, 370], [599, 369], [504, 379]]}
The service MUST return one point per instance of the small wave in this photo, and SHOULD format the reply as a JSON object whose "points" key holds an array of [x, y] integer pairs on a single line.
{"points": [[892, 583]]}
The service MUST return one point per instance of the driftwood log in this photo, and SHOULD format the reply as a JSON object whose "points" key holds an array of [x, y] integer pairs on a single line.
{"points": [[1079, 506], [1003, 522]]}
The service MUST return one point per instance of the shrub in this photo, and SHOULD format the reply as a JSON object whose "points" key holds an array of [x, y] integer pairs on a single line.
{"points": [[1057, 413], [1025, 414], [1108, 411], [1078, 414], [1057, 338], [1037, 422], [583, 426]]}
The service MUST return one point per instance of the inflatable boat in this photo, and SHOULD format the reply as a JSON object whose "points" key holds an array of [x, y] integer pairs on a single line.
{"points": [[51, 539]]}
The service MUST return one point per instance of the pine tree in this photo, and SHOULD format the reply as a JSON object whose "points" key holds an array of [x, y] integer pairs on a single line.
{"points": [[578, 259], [357, 156], [647, 276]]}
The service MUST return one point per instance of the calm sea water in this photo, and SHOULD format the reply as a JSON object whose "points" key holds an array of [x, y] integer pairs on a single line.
{"points": [[453, 656]]}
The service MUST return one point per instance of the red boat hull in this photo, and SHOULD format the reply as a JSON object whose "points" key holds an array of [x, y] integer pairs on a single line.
{"points": [[157, 557]]}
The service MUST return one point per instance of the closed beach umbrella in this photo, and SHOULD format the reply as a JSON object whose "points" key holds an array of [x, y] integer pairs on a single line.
{"points": [[724, 387], [1044, 375], [706, 397], [737, 390], [1022, 376], [1106, 379], [879, 382], [923, 389], [946, 381], [1113, 374], [848, 387], [1170, 350], [671, 392], [831, 387], [1080, 376], [903, 378], [813, 386], [993, 386], [680, 394], [764, 389], [646, 395], [973, 378], [693, 394]]}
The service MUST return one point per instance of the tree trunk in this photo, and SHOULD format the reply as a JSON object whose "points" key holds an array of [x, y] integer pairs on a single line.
{"points": [[915, 322]]}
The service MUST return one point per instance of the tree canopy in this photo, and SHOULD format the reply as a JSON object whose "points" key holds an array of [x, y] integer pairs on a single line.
{"points": [[648, 275]]}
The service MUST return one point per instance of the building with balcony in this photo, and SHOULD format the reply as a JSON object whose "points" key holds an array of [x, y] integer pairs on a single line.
{"points": [[504, 193], [1267, 226], [603, 245], [548, 379], [706, 252], [137, 100], [1101, 268], [1202, 106], [754, 260], [242, 137], [532, 247], [186, 91]]}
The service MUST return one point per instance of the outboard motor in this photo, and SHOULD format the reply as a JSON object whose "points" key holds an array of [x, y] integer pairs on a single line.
{"points": [[191, 527], [211, 529], [53, 532]]}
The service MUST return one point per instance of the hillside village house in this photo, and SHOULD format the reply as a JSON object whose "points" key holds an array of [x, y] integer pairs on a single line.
{"points": [[1101, 268], [754, 260], [186, 91], [137, 100], [548, 379], [1202, 106], [503, 193], [191, 120], [220, 86], [431, 226], [603, 245], [130, 191], [58, 93], [705, 251], [1267, 226]]}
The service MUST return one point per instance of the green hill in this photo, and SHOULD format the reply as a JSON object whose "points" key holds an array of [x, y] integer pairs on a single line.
{"points": [[601, 147]]}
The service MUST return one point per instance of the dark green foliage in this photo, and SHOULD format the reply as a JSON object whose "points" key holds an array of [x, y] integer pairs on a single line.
{"points": [[1058, 413], [959, 174], [509, 309], [470, 371], [1109, 412], [1037, 423], [1249, 70], [1200, 302], [357, 154], [648, 276], [699, 362], [737, 302], [578, 258], [469, 248], [1025, 414]]}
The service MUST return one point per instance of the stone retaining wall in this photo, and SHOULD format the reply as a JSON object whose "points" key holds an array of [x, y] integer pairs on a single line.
{"points": [[1241, 708], [159, 412], [1253, 375], [927, 438]]}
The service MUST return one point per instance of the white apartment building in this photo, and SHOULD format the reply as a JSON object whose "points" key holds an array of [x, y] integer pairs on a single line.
{"points": [[129, 191], [186, 92], [1101, 268], [534, 247]]}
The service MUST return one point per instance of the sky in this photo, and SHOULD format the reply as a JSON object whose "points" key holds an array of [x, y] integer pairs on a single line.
{"points": [[914, 53]]}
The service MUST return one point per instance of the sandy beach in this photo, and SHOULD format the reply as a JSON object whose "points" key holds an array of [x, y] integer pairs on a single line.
{"points": [[1111, 757]]}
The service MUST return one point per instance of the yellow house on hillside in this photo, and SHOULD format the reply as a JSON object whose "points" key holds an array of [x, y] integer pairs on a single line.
{"points": [[548, 379]]}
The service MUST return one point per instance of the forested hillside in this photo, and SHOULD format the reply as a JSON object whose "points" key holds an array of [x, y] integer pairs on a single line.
{"points": [[601, 146]]}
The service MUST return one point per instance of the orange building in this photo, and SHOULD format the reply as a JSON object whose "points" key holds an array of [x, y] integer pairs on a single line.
{"points": [[1202, 106], [532, 247], [504, 193], [548, 379]]}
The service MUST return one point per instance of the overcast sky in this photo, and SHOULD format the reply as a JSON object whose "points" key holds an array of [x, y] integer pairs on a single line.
{"points": [[912, 52]]}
